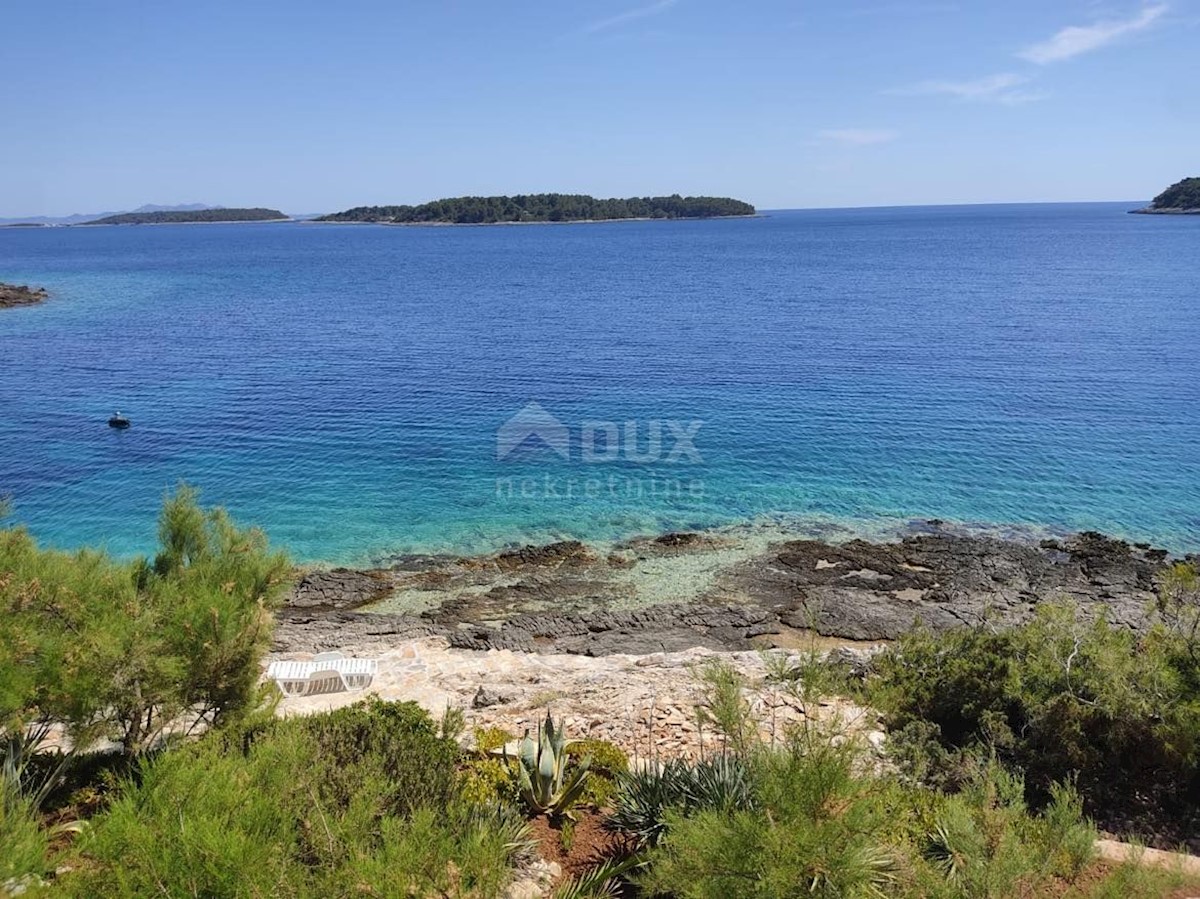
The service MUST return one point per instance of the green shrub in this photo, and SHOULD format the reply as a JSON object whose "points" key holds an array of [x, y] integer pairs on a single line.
{"points": [[1065, 835], [725, 707], [984, 844], [1056, 698], [200, 822], [817, 823], [488, 781], [492, 739], [816, 831], [363, 799], [435, 852], [397, 742], [608, 762], [607, 758]]}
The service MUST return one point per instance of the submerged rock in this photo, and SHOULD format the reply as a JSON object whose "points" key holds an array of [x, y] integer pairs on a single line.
{"points": [[21, 295], [550, 554]]}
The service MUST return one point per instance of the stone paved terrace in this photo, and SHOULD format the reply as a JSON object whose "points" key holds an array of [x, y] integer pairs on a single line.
{"points": [[645, 704]]}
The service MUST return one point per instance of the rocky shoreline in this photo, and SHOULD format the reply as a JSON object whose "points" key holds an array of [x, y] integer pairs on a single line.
{"points": [[1150, 210], [12, 295], [571, 598]]}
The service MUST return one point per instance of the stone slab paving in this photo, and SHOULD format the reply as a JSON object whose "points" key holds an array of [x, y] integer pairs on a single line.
{"points": [[646, 704]]}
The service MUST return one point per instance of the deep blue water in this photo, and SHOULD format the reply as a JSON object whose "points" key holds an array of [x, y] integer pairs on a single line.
{"points": [[343, 386]]}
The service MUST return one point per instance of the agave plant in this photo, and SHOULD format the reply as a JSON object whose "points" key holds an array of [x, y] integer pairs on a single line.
{"points": [[542, 777]]}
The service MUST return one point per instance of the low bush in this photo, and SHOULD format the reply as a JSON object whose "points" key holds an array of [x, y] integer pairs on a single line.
{"points": [[813, 830], [488, 782], [608, 763], [816, 823], [396, 743], [725, 706], [491, 739], [1056, 699], [362, 799], [984, 843]]}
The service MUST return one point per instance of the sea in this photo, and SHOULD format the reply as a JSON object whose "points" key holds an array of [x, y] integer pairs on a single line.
{"points": [[363, 391]]}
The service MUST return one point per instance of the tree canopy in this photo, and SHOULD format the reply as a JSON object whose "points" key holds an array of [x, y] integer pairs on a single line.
{"points": [[124, 650], [188, 216], [543, 208], [1182, 195]]}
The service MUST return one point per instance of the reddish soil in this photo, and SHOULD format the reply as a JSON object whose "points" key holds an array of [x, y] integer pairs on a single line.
{"points": [[590, 845]]}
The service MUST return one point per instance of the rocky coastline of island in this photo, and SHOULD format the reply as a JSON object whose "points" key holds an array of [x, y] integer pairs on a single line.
{"points": [[697, 590], [13, 295], [215, 216], [1181, 198], [523, 209]]}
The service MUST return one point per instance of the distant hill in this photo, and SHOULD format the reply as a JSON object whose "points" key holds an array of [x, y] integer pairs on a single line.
{"points": [[79, 218], [174, 217], [1181, 198], [182, 207], [543, 208]]}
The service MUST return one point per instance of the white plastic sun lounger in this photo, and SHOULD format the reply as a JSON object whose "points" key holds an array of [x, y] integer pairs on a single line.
{"points": [[322, 676], [357, 673]]}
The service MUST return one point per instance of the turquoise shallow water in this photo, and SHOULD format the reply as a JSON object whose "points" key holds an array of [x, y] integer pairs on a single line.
{"points": [[344, 386]]}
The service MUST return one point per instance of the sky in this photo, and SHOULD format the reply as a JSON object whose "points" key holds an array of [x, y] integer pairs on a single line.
{"points": [[315, 106]]}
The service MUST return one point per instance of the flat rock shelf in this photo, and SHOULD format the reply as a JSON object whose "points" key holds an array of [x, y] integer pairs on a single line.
{"points": [[699, 590]]}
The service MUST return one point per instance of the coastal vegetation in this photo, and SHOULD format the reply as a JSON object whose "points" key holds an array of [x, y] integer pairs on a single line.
{"points": [[140, 755], [191, 216], [1061, 698], [1181, 197], [544, 208], [21, 295]]}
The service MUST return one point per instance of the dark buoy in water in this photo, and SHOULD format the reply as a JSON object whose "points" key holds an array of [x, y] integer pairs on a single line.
{"points": [[118, 421]]}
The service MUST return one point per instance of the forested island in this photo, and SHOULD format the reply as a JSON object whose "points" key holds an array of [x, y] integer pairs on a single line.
{"points": [[191, 216], [1181, 198], [543, 208]]}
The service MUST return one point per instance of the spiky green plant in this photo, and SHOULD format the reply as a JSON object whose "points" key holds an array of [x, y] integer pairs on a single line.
{"points": [[644, 796], [543, 779], [605, 881]]}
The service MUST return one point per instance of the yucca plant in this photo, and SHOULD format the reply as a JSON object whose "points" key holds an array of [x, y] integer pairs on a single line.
{"points": [[543, 781], [644, 796], [605, 881]]}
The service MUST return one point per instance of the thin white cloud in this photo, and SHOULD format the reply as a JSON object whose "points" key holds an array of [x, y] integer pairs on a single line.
{"points": [[631, 15], [858, 137], [1006, 88], [1079, 39]]}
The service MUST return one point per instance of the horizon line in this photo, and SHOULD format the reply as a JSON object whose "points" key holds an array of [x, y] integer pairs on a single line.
{"points": [[14, 219]]}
